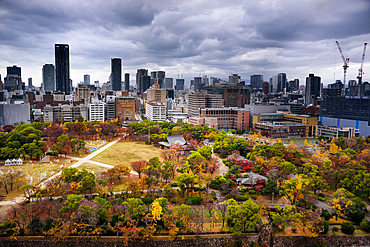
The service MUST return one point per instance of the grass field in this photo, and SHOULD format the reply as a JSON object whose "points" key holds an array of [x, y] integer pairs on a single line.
{"points": [[127, 152], [299, 141], [34, 170], [92, 167]]}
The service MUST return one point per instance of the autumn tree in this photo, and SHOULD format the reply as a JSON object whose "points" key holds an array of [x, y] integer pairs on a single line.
{"points": [[139, 166]]}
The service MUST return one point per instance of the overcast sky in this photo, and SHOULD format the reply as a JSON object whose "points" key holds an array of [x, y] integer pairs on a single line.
{"points": [[191, 37]]}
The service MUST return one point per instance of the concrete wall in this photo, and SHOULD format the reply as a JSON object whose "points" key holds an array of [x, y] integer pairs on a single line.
{"points": [[280, 241], [14, 113]]}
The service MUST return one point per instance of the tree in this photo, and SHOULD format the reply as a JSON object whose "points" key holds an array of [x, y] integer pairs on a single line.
{"points": [[241, 217], [206, 152], [284, 216], [135, 208], [139, 166]]}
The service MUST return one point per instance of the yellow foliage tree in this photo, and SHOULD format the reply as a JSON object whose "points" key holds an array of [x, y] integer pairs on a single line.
{"points": [[305, 142], [333, 148]]}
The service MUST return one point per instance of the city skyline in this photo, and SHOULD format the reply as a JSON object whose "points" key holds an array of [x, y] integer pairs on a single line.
{"points": [[191, 38]]}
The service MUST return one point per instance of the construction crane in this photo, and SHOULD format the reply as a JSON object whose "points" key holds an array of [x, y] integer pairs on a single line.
{"points": [[345, 66], [360, 71]]}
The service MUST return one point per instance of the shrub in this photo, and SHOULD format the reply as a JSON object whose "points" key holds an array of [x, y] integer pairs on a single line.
{"points": [[356, 216], [211, 201], [193, 200], [313, 207], [326, 215], [335, 229], [174, 200], [214, 195], [252, 192], [242, 198], [174, 185], [147, 200], [347, 227], [365, 226]]}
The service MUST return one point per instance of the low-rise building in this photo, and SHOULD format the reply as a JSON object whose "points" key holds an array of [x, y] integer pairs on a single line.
{"points": [[281, 129], [227, 117], [309, 121], [335, 132], [155, 111]]}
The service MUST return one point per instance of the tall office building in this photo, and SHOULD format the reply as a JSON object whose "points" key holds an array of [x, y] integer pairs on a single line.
{"points": [[86, 79], [256, 81], [139, 74], [313, 86], [180, 84], [48, 77], [294, 85], [234, 79], [62, 68], [159, 75], [127, 82], [116, 74], [197, 83], [13, 79], [278, 82], [168, 84]]}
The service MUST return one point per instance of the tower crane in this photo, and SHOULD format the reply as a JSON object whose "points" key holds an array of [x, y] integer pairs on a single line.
{"points": [[345, 66], [360, 71]]}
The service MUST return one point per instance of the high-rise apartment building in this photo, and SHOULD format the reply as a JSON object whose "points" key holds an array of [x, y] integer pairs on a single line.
{"points": [[155, 111], [127, 82], [312, 88], [62, 68], [86, 79], [96, 112], [48, 77], [197, 83], [116, 74], [256, 81]]}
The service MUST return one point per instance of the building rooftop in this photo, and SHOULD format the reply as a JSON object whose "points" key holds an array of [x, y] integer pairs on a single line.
{"points": [[282, 124]]}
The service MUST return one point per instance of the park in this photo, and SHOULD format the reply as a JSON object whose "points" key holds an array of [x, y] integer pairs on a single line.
{"points": [[136, 186]]}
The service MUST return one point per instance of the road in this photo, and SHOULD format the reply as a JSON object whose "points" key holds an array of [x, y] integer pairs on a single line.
{"points": [[79, 162]]}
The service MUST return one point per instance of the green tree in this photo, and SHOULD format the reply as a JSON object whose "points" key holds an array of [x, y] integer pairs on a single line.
{"points": [[284, 216], [241, 216]]}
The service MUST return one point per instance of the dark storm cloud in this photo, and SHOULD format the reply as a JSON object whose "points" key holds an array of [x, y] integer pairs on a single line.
{"points": [[193, 36]]}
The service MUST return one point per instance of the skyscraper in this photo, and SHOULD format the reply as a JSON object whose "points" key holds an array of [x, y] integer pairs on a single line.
{"points": [[86, 79], [127, 82], [139, 84], [180, 84], [168, 83], [116, 75], [256, 81], [312, 88], [159, 75], [62, 68], [13, 79], [48, 77], [30, 83]]}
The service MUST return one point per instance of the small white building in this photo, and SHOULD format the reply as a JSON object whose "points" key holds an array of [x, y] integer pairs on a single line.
{"points": [[8, 162], [155, 111]]}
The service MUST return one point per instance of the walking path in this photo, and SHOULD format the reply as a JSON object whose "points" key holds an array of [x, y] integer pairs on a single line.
{"points": [[222, 168], [79, 162]]}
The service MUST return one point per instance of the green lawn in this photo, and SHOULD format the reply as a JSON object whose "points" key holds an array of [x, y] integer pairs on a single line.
{"points": [[127, 152], [92, 167], [299, 141]]}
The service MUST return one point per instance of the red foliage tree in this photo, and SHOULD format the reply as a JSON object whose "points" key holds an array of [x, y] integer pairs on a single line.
{"points": [[139, 166]]}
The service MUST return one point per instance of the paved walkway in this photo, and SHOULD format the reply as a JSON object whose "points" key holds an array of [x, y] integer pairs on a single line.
{"points": [[79, 162]]}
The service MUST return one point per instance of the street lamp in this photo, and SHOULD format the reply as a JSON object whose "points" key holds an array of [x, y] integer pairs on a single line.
{"points": [[272, 202]]}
